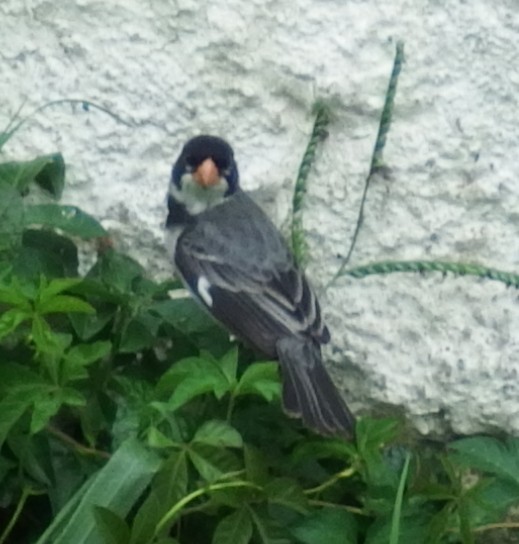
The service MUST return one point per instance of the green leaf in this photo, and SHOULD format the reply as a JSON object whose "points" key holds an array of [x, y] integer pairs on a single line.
{"points": [[236, 528], [11, 217], [18, 293], [269, 531], [34, 456], [65, 512], [44, 252], [189, 388], [48, 171], [491, 502], [139, 333], [412, 529], [44, 400], [20, 174], [375, 433], [49, 343], [288, 493], [256, 465], [169, 486], [81, 356], [87, 326], [27, 390], [48, 290], [372, 435], [328, 525], [157, 439], [218, 433], [147, 519], [112, 528], [64, 304], [117, 486], [11, 320], [184, 314], [11, 410], [72, 397], [69, 219], [46, 406], [229, 365], [260, 379], [234, 497], [15, 377], [116, 271], [86, 354], [438, 525], [324, 448], [191, 377], [52, 176], [489, 455], [213, 463], [6, 465]]}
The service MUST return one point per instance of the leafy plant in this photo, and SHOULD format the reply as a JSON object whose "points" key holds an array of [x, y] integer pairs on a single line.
{"points": [[129, 416]]}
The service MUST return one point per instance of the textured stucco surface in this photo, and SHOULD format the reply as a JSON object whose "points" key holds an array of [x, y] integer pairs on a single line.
{"points": [[444, 351]]}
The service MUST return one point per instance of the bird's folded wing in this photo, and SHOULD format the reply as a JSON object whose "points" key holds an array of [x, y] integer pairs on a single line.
{"points": [[257, 300]]}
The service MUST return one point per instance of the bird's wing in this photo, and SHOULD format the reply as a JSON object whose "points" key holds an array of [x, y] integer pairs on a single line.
{"points": [[237, 262]]}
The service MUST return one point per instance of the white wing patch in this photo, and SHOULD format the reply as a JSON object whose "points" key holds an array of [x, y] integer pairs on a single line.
{"points": [[202, 287]]}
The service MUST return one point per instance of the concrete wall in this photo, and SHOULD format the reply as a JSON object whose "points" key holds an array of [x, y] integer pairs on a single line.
{"points": [[445, 350]]}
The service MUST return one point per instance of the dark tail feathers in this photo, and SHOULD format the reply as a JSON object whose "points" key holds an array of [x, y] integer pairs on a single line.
{"points": [[308, 391]]}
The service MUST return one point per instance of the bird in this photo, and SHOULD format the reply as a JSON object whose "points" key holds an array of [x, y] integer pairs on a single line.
{"points": [[232, 258]]}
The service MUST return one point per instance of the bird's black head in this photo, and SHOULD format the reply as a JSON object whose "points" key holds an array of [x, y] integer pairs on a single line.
{"points": [[208, 161], [203, 176]]}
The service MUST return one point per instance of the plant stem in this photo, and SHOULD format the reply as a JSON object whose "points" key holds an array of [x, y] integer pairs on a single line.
{"points": [[80, 448], [351, 509], [489, 527], [346, 473], [14, 126], [172, 512], [198, 508], [26, 493], [466, 534], [230, 408], [6, 133], [399, 499]]}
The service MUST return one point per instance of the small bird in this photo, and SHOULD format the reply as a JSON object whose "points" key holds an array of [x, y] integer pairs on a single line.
{"points": [[233, 259]]}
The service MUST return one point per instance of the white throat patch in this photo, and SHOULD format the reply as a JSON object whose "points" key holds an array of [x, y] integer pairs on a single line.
{"points": [[195, 198]]}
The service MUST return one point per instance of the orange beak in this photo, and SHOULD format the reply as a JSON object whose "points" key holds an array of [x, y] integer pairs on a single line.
{"points": [[207, 175]]}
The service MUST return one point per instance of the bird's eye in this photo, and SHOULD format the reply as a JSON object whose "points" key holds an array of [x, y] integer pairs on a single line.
{"points": [[222, 165]]}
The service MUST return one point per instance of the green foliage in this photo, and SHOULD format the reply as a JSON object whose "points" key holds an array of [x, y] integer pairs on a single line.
{"points": [[132, 418], [127, 416]]}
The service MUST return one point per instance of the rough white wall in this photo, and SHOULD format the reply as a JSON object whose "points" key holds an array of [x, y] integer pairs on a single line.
{"points": [[444, 349]]}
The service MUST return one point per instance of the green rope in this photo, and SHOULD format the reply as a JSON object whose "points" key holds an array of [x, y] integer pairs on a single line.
{"points": [[461, 269], [387, 111], [376, 157], [319, 133]]}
